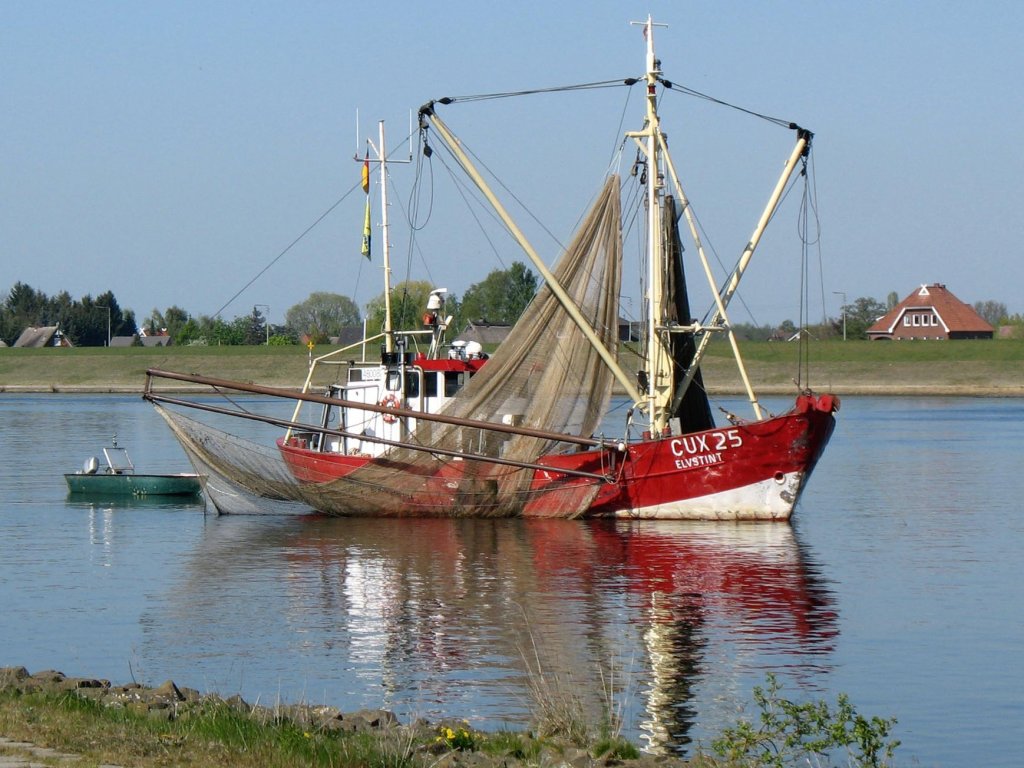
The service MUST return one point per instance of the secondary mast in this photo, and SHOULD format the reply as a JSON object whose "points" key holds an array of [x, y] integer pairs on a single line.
{"points": [[382, 161]]}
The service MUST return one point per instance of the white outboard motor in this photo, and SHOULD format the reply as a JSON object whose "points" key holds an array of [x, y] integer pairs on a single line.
{"points": [[91, 465]]}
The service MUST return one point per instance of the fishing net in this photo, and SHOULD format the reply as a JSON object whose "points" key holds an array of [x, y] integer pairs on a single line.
{"points": [[545, 376]]}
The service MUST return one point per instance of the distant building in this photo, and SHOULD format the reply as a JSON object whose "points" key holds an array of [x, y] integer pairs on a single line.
{"points": [[485, 333], [143, 340], [932, 312], [347, 336], [43, 336], [146, 337]]}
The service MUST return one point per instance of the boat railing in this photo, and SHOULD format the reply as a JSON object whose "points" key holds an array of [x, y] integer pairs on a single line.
{"points": [[118, 462], [330, 358], [613, 448]]}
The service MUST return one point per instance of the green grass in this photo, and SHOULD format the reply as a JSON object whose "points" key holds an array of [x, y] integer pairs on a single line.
{"points": [[986, 367], [120, 369], [216, 736], [832, 351], [214, 732]]}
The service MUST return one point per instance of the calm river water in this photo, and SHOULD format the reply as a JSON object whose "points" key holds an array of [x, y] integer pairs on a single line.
{"points": [[899, 583]]}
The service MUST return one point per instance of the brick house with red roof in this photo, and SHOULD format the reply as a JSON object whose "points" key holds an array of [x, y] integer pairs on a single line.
{"points": [[931, 312]]}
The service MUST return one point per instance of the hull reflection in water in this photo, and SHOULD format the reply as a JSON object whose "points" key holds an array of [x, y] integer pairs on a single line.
{"points": [[747, 589], [451, 618]]}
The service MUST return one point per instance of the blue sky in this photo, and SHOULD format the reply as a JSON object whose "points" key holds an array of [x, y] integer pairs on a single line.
{"points": [[170, 151]]}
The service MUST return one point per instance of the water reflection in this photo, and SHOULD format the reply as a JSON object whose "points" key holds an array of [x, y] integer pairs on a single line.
{"points": [[744, 588], [109, 504], [921, 537], [456, 617], [102, 513]]}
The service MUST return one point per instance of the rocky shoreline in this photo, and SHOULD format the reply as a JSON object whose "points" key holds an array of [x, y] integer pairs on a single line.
{"points": [[170, 702]]}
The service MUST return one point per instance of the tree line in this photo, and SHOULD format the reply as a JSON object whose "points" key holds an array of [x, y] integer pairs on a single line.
{"points": [[499, 299], [88, 322]]}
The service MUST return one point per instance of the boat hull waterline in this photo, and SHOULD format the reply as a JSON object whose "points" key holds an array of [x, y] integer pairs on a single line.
{"points": [[747, 471], [184, 484]]}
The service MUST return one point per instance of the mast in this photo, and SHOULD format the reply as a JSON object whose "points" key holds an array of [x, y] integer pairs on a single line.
{"points": [[382, 160], [659, 361], [662, 389]]}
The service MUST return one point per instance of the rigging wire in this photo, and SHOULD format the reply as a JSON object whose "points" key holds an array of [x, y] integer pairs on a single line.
{"points": [[287, 248], [804, 358], [628, 82], [817, 238], [533, 91], [462, 185], [670, 86], [414, 209]]}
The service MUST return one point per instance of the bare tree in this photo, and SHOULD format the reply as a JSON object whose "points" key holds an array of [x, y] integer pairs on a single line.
{"points": [[992, 312]]}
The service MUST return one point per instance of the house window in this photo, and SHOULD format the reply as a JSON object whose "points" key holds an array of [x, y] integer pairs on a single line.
{"points": [[906, 320], [917, 320]]}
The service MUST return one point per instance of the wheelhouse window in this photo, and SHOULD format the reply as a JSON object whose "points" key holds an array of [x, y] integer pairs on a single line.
{"points": [[430, 384], [412, 384], [453, 381]]}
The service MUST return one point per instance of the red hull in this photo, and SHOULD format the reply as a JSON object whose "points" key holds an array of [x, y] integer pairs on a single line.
{"points": [[750, 471], [309, 466]]}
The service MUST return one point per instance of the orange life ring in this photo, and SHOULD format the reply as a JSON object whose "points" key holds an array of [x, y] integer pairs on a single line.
{"points": [[391, 401]]}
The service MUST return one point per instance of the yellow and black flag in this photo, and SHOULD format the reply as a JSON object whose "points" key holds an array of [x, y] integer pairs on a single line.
{"points": [[366, 221]]}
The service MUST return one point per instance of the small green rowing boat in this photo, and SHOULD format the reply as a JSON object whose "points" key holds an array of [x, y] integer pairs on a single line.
{"points": [[119, 478]]}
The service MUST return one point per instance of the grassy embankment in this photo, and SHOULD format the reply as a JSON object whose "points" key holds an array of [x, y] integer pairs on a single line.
{"points": [[133, 725], [852, 367]]}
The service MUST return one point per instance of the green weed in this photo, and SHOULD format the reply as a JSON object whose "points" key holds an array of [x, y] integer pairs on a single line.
{"points": [[788, 733]]}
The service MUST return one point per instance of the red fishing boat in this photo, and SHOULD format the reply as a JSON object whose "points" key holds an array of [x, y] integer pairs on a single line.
{"points": [[447, 431]]}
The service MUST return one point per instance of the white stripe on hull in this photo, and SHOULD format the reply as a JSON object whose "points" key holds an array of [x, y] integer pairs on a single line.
{"points": [[764, 500]]}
